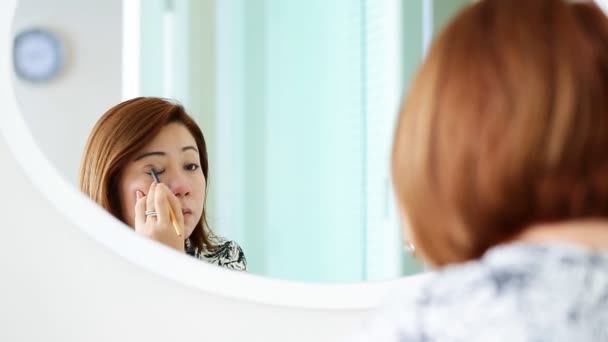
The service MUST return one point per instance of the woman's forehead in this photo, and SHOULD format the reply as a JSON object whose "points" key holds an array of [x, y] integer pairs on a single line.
{"points": [[174, 135]]}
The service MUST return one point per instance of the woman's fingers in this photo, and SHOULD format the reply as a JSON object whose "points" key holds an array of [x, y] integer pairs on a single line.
{"points": [[159, 227], [161, 205], [177, 210], [140, 209], [150, 197]]}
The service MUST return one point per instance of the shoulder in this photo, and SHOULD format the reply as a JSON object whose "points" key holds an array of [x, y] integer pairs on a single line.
{"points": [[437, 308], [396, 318], [227, 254], [502, 297]]}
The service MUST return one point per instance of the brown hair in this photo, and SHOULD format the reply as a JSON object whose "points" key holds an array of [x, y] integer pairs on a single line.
{"points": [[122, 132], [506, 126]]}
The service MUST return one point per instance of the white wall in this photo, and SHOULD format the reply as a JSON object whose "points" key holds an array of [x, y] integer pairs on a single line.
{"points": [[62, 112]]}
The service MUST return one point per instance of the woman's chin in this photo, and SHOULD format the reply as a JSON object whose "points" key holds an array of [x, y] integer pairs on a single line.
{"points": [[188, 231]]}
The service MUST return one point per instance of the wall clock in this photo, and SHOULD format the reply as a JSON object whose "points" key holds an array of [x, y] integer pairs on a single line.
{"points": [[37, 55]]}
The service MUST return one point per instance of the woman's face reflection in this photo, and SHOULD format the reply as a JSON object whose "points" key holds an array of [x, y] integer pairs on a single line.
{"points": [[174, 155]]}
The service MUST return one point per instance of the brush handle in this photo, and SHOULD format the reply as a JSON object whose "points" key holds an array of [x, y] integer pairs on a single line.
{"points": [[174, 222]]}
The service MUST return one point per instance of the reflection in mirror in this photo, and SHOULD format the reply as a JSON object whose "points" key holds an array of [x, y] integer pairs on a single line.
{"points": [[297, 102], [146, 163]]}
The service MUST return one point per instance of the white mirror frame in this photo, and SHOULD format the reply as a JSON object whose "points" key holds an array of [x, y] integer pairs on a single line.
{"points": [[150, 255]]}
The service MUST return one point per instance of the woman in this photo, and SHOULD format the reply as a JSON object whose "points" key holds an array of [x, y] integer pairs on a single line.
{"points": [[500, 164], [127, 143]]}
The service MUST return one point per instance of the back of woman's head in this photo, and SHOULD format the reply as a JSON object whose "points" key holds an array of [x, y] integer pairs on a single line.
{"points": [[505, 126], [118, 135]]}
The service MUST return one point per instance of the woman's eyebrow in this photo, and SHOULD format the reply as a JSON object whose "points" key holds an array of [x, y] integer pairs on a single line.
{"points": [[162, 154], [148, 154]]}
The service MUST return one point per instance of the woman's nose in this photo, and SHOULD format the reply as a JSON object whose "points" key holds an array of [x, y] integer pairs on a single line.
{"points": [[179, 185]]}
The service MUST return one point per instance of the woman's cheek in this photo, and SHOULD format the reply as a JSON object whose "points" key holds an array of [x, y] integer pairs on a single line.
{"points": [[129, 207]]}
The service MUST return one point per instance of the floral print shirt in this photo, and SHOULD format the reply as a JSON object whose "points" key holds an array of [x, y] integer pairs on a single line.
{"points": [[228, 254], [518, 292]]}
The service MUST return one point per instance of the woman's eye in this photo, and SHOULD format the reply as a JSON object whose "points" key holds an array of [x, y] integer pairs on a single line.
{"points": [[158, 171], [191, 167]]}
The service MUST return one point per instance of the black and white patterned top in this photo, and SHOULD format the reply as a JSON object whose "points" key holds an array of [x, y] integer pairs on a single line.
{"points": [[518, 292], [228, 254]]}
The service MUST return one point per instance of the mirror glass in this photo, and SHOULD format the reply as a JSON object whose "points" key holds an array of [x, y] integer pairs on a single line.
{"points": [[297, 101]]}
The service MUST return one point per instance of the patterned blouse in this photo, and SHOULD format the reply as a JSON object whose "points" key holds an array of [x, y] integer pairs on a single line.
{"points": [[517, 292], [228, 254]]}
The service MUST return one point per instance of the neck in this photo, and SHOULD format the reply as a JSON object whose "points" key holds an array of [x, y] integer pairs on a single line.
{"points": [[592, 233]]}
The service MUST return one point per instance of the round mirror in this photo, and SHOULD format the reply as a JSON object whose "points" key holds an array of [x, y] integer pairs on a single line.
{"points": [[297, 101]]}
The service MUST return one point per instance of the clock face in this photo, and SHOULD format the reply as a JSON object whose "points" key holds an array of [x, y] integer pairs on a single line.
{"points": [[37, 55]]}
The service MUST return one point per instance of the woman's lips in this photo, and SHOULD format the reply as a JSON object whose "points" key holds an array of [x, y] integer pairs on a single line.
{"points": [[186, 211]]}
